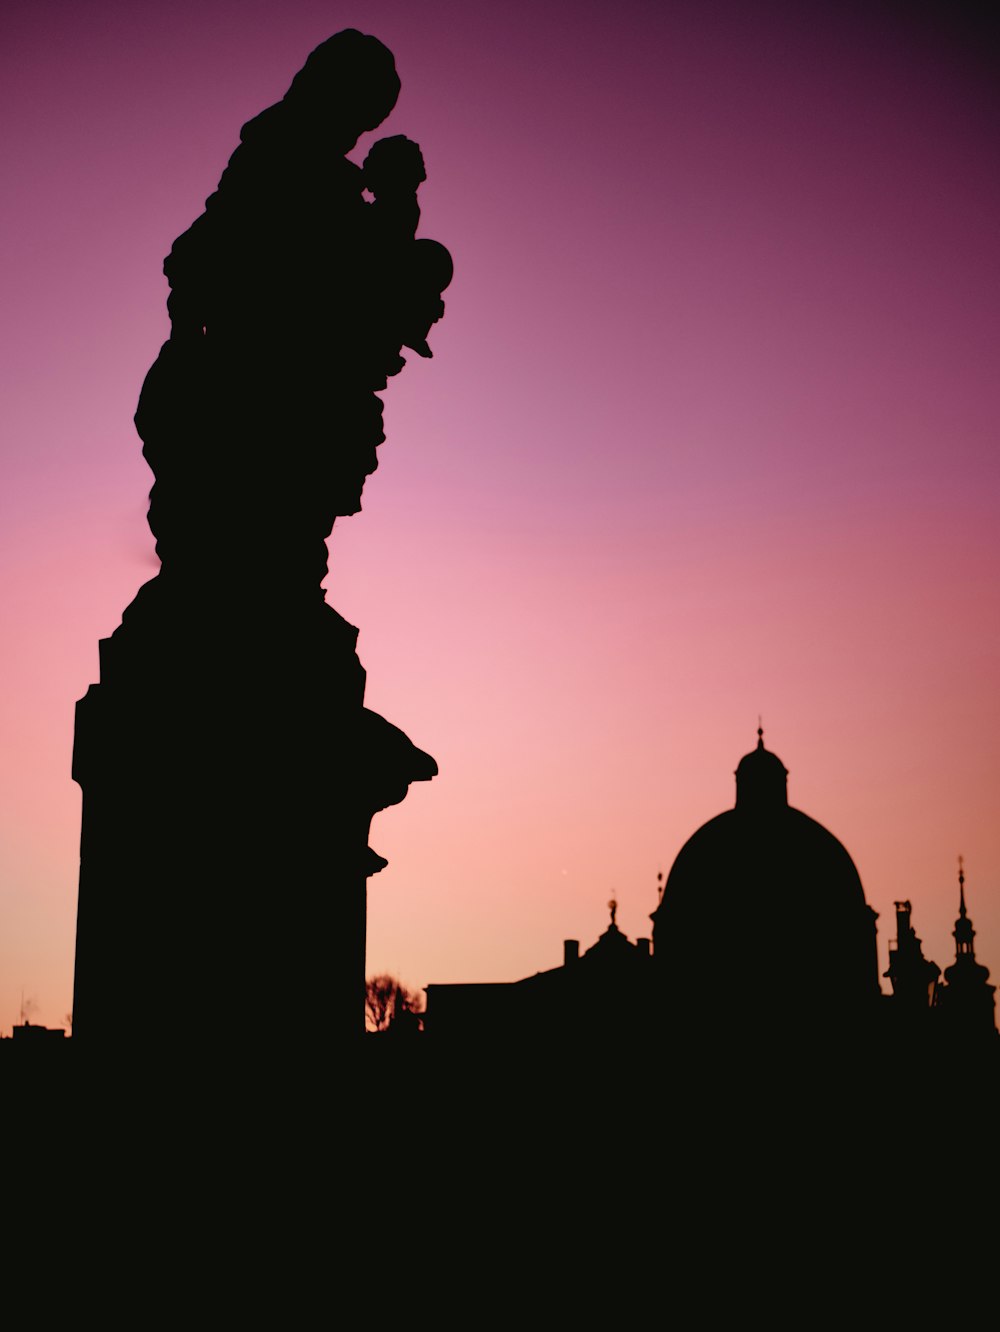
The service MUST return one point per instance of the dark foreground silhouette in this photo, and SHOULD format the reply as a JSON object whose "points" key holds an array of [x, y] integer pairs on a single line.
{"points": [[762, 957], [229, 767], [671, 1095]]}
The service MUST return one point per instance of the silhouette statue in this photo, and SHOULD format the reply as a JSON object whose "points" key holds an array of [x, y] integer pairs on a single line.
{"points": [[230, 769]]}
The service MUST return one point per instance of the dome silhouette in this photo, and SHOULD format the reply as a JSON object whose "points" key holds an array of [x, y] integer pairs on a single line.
{"points": [[762, 905]]}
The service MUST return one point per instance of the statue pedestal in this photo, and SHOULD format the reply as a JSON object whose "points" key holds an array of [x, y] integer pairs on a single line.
{"points": [[224, 850]]}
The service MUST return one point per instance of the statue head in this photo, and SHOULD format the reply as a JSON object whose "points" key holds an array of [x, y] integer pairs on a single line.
{"points": [[348, 85], [394, 166]]}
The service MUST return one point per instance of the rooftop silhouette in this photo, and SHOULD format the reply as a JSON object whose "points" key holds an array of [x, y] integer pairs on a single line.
{"points": [[762, 944]]}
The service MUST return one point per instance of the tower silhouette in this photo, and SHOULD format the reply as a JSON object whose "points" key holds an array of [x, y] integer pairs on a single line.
{"points": [[966, 999]]}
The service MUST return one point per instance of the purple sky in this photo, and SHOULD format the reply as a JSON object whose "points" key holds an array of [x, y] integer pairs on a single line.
{"points": [[710, 431]]}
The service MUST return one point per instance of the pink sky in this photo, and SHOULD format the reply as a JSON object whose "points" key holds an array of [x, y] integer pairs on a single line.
{"points": [[710, 431]]}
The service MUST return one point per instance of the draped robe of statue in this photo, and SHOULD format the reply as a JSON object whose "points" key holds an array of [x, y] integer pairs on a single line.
{"points": [[229, 767]]}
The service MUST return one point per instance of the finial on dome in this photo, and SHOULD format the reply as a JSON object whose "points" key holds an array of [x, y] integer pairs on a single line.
{"points": [[961, 886], [613, 908], [760, 731]]}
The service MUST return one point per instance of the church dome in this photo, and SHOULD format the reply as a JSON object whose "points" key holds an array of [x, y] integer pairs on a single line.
{"points": [[764, 906]]}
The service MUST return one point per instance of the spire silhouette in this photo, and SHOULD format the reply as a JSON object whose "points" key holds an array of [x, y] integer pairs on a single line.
{"points": [[967, 998]]}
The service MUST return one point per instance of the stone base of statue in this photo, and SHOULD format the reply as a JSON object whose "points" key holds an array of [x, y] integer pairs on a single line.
{"points": [[230, 773]]}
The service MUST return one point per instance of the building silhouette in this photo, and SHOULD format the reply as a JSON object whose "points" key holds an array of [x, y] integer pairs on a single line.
{"points": [[31, 1031], [763, 920], [607, 991], [966, 1001], [762, 941], [913, 978]]}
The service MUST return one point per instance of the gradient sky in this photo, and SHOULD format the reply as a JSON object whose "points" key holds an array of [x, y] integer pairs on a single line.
{"points": [[710, 431]]}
